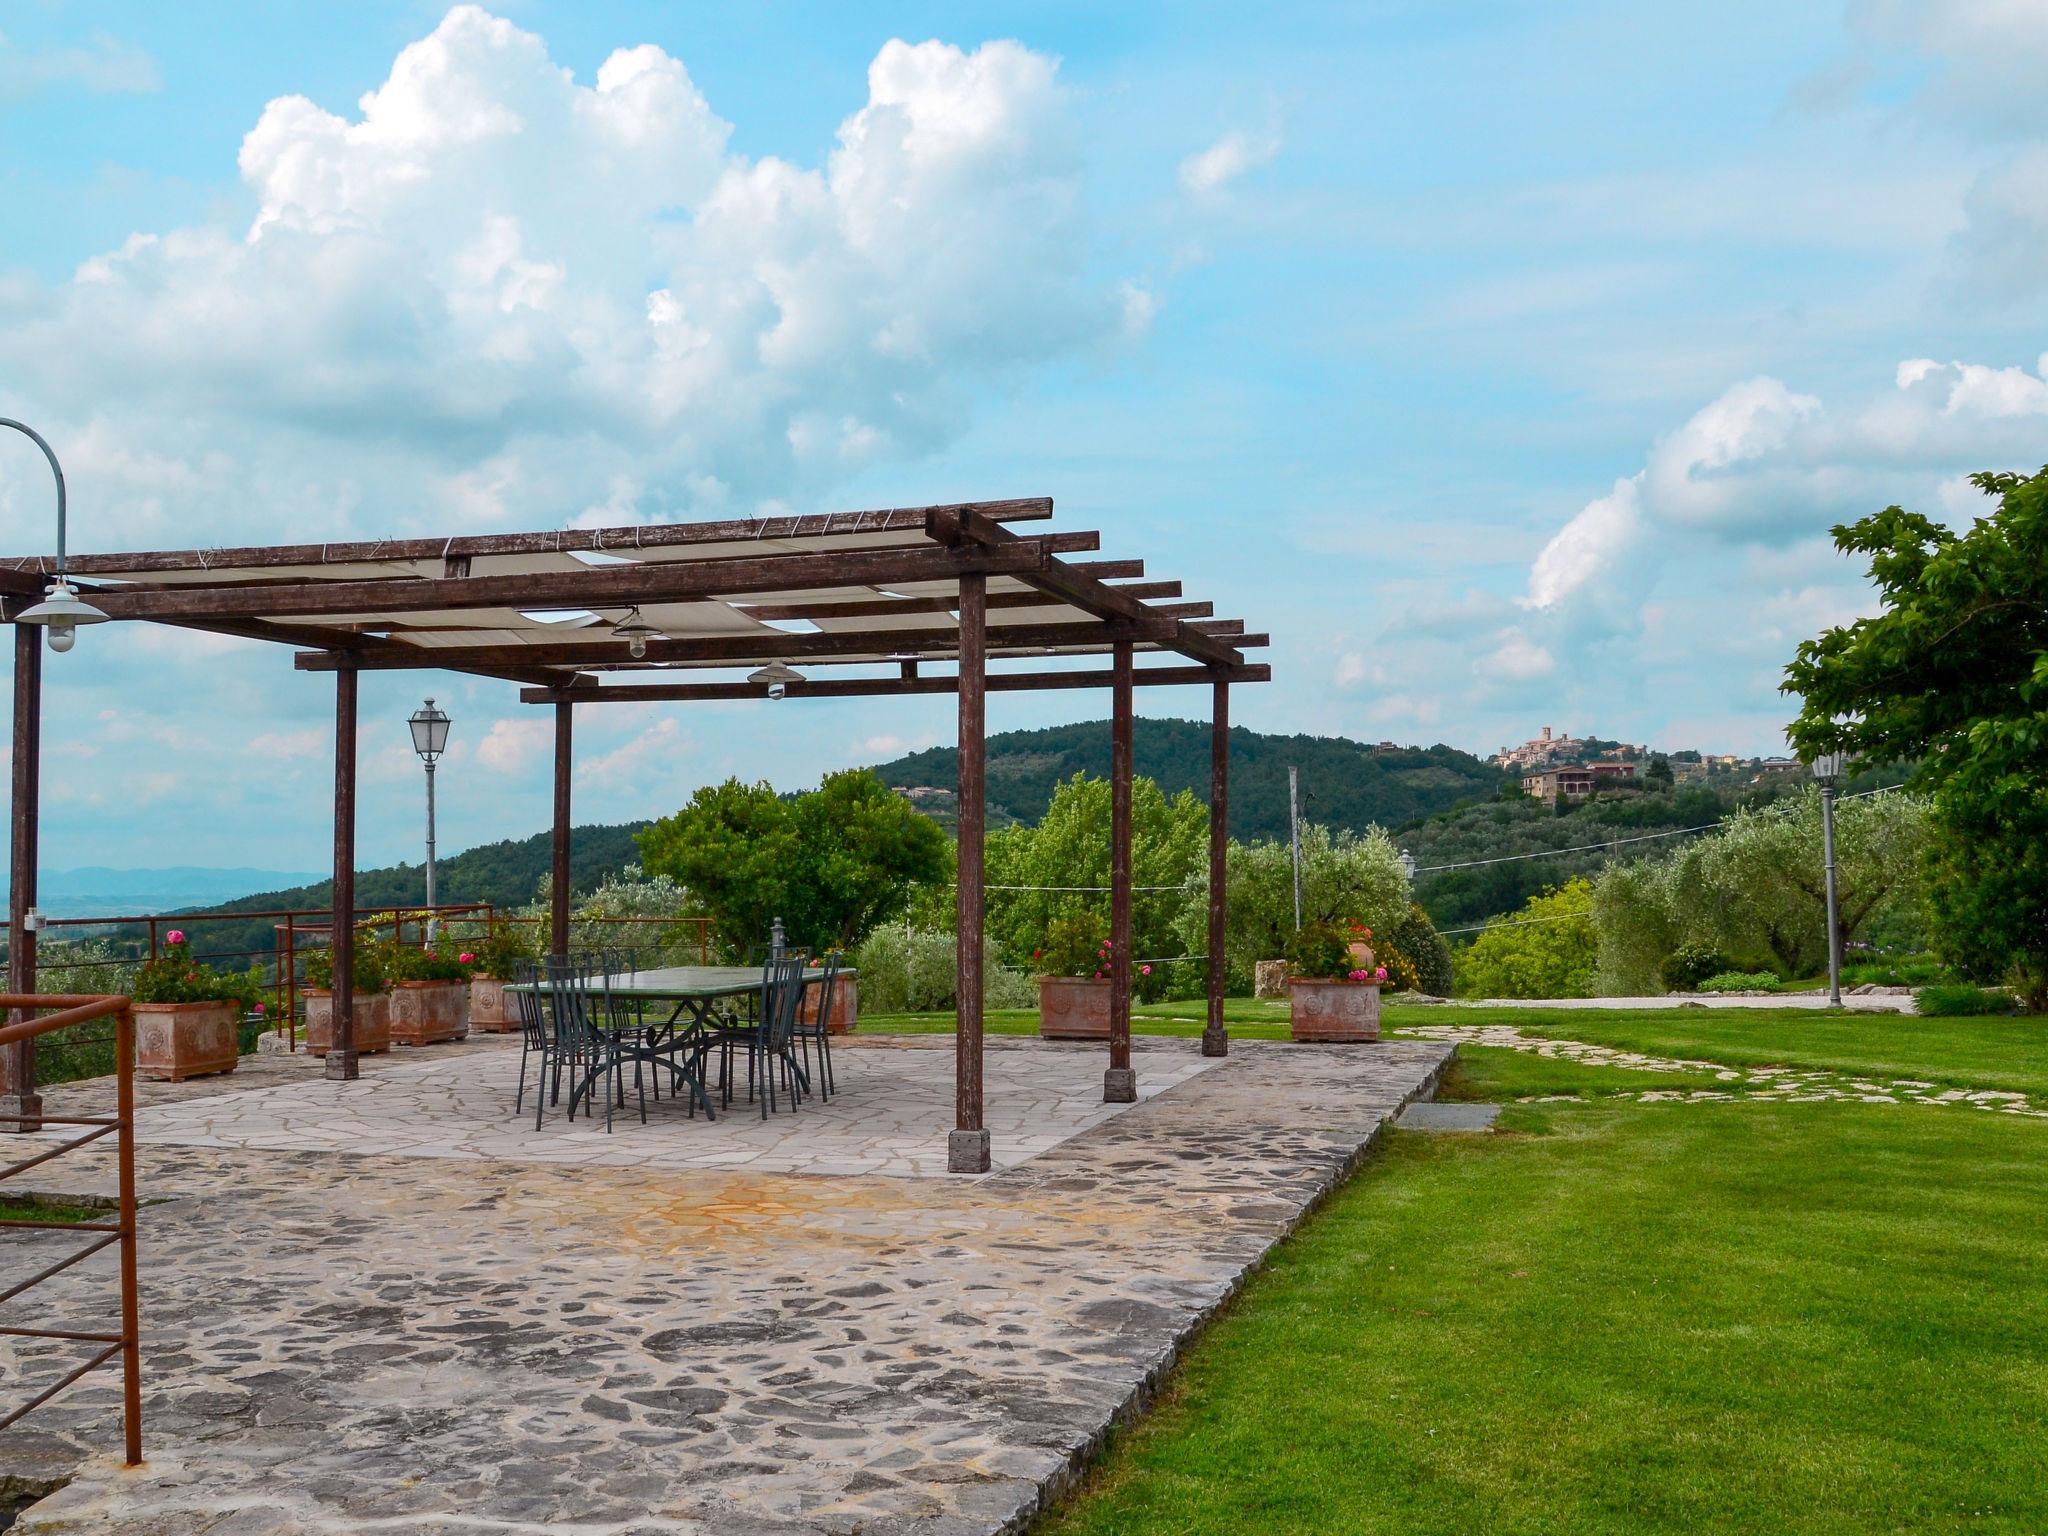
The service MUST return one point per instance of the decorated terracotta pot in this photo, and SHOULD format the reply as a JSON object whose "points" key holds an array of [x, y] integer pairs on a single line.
{"points": [[429, 1012], [373, 1021], [1334, 1011], [1073, 1007], [174, 1041]]}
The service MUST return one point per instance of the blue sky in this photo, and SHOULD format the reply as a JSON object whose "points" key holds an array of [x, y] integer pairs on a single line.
{"points": [[1508, 362]]}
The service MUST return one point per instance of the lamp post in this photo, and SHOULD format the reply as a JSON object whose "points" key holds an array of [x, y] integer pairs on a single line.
{"points": [[430, 740], [61, 609], [1827, 769], [1294, 836]]}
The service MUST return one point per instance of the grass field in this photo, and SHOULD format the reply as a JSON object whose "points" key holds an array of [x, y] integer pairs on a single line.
{"points": [[1620, 1317]]}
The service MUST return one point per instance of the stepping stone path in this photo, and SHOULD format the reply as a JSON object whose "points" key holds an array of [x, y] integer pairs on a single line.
{"points": [[1786, 1085]]}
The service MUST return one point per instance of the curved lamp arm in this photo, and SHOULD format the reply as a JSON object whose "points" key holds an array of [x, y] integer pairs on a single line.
{"points": [[55, 469]]}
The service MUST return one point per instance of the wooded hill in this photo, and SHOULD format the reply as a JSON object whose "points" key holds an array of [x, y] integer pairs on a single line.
{"points": [[1343, 783], [508, 874]]}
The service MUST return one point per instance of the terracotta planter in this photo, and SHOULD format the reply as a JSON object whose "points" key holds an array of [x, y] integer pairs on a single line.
{"points": [[1334, 1010], [1073, 1008], [429, 1012], [845, 1005], [1361, 955], [174, 1041], [373, 1022], [488, 1014]]}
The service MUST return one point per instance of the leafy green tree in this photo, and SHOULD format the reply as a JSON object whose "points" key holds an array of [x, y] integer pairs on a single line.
{"points": [[833, 862], [1345, 878], [1070, 847], [1658, 775], [861, 850], [1548, 949], [735, 849], [1953, 674]]}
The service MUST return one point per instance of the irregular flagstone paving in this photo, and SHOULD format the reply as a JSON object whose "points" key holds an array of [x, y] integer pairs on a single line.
{"points": [[890, 1114], [354, 1340], [1791, 1085]]}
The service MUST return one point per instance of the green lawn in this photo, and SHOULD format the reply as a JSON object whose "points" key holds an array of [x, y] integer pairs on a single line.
{"points": [[1613, 1317], [1997, 1052]]}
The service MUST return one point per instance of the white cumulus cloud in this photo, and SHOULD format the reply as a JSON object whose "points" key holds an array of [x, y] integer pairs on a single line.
{"points": [[494, 294]]}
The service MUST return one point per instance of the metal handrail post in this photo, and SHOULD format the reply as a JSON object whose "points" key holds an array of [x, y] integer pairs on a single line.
{"points": [[131, 1322]]}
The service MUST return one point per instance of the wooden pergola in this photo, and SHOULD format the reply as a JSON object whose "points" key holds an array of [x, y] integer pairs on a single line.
{"points": [[614, 615]]}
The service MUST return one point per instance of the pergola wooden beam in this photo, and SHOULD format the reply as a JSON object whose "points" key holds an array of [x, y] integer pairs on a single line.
{"points": [[598, 586], [885, 607], [869, 687], [1074, 584], [567, 540], [601, 650]]}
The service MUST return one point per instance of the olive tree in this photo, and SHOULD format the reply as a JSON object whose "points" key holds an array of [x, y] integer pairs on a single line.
{"points": [[1756, 888]]}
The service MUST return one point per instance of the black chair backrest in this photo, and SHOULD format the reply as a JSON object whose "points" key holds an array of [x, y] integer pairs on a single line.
{"points": [[526, 1006], [573, 1005], [826, 977], [782, 990]]}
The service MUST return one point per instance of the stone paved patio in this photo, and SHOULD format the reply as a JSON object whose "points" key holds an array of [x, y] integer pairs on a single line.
{"points": [[889, 1115], [462, 1337]]}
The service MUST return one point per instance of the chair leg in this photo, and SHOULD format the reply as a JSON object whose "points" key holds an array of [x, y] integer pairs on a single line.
{"points": [[519, 1096]]}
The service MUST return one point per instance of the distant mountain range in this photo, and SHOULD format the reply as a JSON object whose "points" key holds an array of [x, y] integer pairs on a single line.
{"points": [[97, 891]]}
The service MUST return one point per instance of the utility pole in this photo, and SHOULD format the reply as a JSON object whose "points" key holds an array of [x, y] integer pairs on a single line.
{"points": [[1294, 835]]}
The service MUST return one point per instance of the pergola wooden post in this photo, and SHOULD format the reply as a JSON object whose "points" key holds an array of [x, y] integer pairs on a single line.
{"points": [[558, 887], [898, 592], [341, 1055], [1215, 1039], [967, 1148], [18, 1094], [1120, 1082]]}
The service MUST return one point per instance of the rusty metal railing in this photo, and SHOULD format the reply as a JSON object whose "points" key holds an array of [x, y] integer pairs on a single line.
{"points": [[121, 1231]]}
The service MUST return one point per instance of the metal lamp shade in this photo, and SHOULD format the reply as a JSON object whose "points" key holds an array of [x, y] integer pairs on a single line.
{"points": [[1827, 768], [62, 610], [429, 731]]}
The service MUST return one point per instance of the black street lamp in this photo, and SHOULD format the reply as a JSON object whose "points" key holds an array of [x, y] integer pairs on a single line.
{"points": [[430, 740], [61, 609]]}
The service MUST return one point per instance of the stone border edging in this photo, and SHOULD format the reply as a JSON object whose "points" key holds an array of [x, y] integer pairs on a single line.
{"points": [[1073, 1470]]}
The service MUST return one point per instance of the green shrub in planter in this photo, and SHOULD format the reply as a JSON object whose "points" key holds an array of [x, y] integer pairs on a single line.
{"points": [[1957, 999], [1741, 981]]}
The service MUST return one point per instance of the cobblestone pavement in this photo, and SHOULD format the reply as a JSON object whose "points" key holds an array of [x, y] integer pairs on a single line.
{"points": [[1791, 1085], [354, 1341]]}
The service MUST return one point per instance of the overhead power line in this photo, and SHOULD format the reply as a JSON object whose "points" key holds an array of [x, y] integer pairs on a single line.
{"points": [[1641, 837]]}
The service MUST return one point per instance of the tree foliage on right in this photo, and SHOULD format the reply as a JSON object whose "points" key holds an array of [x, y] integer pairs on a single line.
{"points": [[1954, 673]]}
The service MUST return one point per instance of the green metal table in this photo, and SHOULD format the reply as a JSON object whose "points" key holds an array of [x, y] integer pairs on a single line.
{"points": [[690, 990]]}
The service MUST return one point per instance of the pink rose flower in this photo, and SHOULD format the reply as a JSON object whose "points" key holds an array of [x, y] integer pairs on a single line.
{"points": [[1380, 974], [1144, 970], [465, 958], [259, 1008], [175, 936]]}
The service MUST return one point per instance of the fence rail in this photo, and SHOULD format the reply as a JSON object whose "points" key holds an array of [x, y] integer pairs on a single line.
{"points": [[295, 933], [76, 1010]]}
